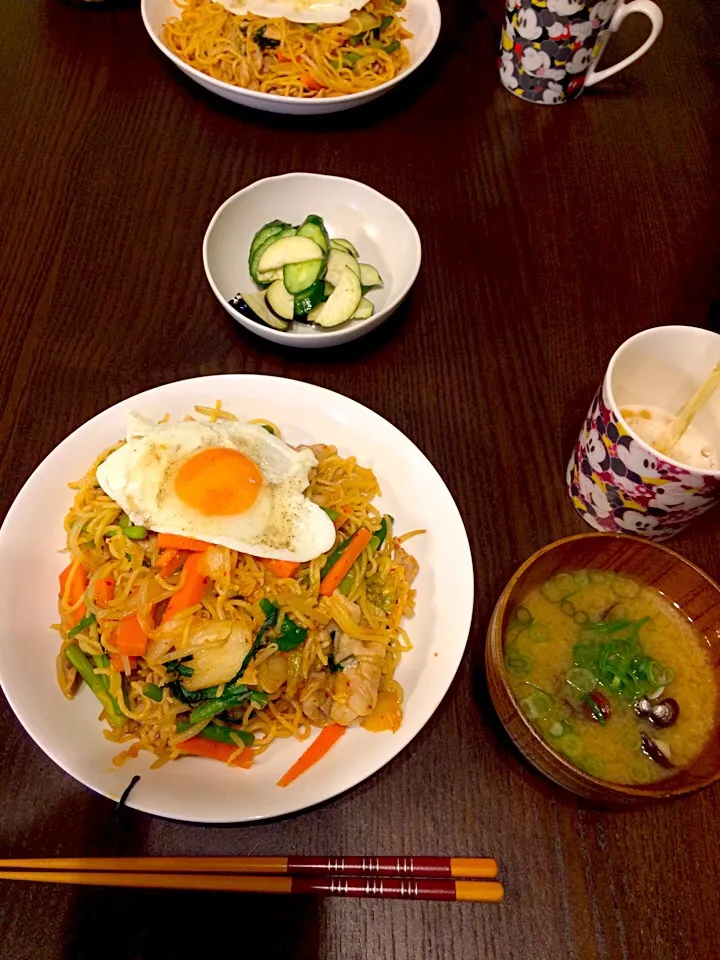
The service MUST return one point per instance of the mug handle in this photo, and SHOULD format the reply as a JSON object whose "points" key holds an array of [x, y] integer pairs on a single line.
{"points": [[653, 12]]}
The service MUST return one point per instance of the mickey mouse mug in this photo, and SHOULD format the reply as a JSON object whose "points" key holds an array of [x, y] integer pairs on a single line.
{"points": [[550, 49], [616, 481]]}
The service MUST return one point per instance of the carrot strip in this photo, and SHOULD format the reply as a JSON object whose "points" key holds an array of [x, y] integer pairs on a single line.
{"points": [[316, 751], [75, 573], [191, 590], [170, 560], [282, 568], [131, 638], [202, 747], [282, 58], [347, 558], [311, 83], [116, 662], [176, 542], [104, 591]]}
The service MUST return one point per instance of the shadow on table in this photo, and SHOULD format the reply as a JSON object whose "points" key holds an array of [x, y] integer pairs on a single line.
{"points": [[132, 924], [167, 925]]}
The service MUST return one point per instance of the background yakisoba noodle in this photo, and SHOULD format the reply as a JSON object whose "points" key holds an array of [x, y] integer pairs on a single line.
{"points": [[305, 60]]}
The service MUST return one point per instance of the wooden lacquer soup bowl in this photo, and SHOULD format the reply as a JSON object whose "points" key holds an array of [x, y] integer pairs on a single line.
{"points": [[694, 593]]}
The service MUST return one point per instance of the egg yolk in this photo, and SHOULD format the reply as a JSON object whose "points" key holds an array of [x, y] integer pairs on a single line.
{"points": [[219, 481]]}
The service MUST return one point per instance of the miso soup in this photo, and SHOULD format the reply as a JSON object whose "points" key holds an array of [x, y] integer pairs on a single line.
{"points": [[612, 675]]}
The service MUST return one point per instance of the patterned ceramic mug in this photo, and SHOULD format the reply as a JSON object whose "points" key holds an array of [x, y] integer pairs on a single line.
{"points": [[616, 481], [550, 48]]}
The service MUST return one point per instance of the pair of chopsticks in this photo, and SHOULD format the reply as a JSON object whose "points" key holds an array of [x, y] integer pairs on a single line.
{"points": [[407, 878]]}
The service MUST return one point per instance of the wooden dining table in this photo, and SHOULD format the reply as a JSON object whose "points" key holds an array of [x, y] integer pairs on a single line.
{"points": [[549, 235]]}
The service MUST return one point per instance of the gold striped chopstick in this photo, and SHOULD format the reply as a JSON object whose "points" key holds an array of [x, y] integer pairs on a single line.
{"points": [[410, 878], [387, 888], [427, 868]]}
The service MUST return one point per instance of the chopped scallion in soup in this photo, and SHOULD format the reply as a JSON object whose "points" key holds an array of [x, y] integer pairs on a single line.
{"points": [[612, 675]]}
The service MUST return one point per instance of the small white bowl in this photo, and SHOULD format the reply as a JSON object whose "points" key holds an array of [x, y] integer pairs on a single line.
{"points": [[422, 18], [381, 230]]}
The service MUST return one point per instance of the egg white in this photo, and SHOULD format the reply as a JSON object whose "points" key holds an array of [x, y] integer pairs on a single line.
{"points": [[299, 11], [281, 524]]}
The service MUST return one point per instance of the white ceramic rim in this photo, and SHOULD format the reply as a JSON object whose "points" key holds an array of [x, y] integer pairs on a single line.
{"points": [[276, 97], [607, 385], [462, 601], [339, 333]]}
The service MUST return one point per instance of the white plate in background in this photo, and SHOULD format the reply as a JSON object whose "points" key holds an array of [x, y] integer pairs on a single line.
{"points": [[422, 18]]}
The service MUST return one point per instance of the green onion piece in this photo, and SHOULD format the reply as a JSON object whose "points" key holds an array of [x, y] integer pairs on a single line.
{"points": [[625, 588], [135, 532], [398, 2], [124, 521], [77, 659], [334, 64], [266, 426], [630, 738], [523, 616], [333, 514], [220, 734], [83, 624], [312, 27], [607, 627], [568, 608], [538, 705], [377, 44], [539, 633], [571, 745], [350, 58], [557, 589], [641, 771], [153, 691], [392, 47], [594, 766], [657, 674], [583, 681], [517, 663], [565, 582], [347, 583], [585, 656], [358, 38], [385, 22], [560, 728]]}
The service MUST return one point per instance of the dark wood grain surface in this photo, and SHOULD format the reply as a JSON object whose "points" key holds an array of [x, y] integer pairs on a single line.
{"points": [[549, 235]]}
